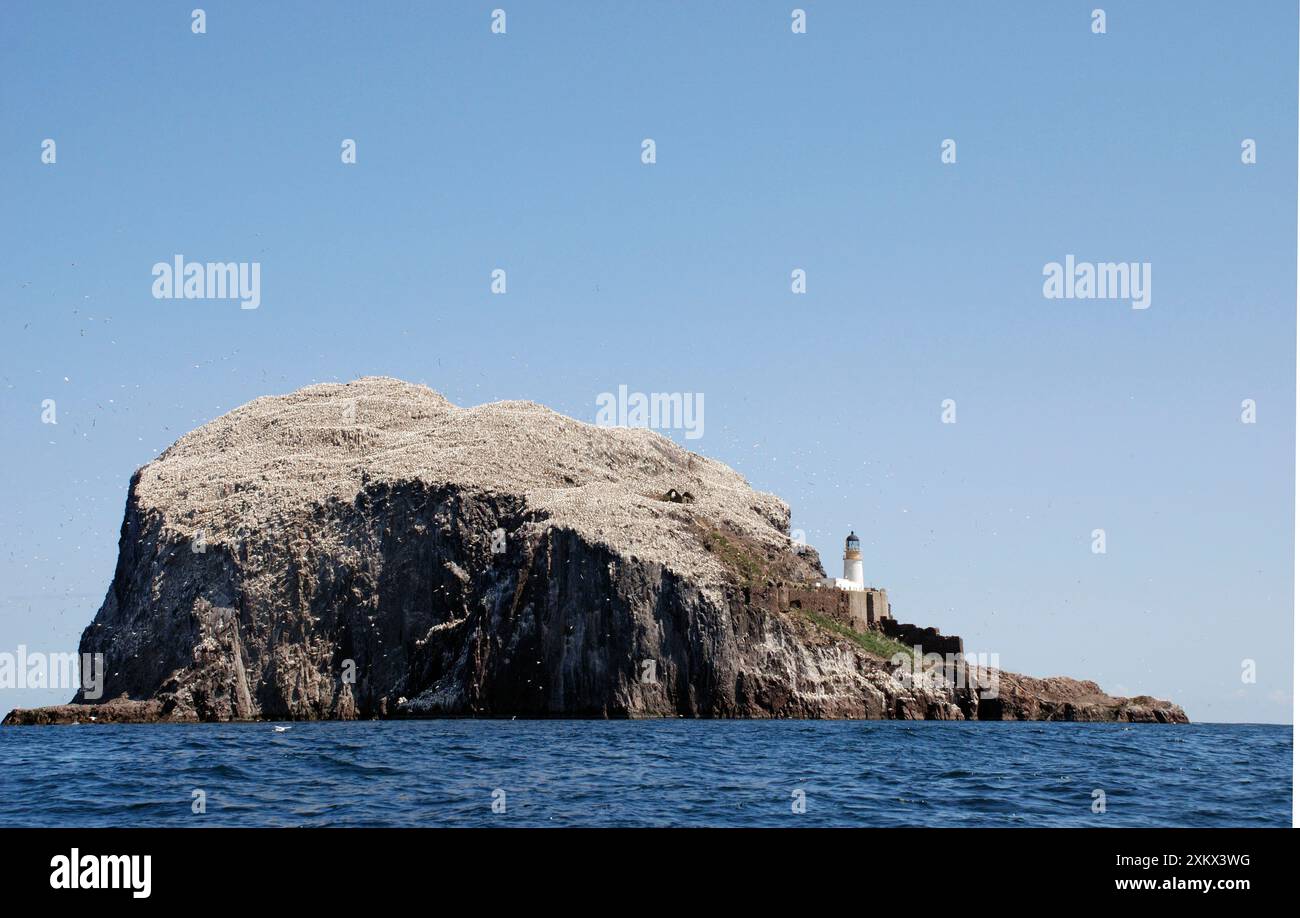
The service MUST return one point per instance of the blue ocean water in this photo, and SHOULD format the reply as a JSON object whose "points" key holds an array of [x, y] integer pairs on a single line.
{"points": [[646, 773]]}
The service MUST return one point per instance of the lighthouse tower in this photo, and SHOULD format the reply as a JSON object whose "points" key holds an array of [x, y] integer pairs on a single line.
{"points": [[853, 561]]}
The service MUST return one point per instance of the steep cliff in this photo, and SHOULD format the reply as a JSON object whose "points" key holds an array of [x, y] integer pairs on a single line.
{"points": [[371, 550]]}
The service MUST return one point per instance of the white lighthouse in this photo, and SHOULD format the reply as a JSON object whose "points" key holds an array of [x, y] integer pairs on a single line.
{"points": [[853, 561], [862, 606]]}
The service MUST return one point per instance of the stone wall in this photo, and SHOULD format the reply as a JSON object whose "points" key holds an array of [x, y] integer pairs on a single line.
{"points": [[930, 639], [877, 606], [861, 610]]}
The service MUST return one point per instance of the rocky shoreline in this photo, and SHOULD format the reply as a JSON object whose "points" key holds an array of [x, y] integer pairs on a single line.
{"points": [[370, 550]]}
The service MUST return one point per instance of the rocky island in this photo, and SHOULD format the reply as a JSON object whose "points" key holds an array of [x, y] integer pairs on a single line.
{"points": [[372, 550]]}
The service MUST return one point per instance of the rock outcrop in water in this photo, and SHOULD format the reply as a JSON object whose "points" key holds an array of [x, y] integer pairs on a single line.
{"points": [[371, 550]]}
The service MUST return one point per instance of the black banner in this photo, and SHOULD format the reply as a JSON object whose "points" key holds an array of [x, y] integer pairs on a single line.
{"points": [[527, 867]]}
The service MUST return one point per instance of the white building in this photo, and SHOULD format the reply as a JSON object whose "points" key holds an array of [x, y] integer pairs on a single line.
{"points": [[862, 606], [852, 579]]}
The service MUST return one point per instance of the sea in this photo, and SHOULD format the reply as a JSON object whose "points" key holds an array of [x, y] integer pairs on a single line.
{"points": [[484, 773]]}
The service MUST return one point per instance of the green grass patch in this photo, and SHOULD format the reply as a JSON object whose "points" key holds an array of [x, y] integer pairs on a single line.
{"points": [[872, 642], [732, 553]]}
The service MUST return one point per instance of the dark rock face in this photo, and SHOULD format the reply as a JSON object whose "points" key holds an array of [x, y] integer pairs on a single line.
{"points": [[436, 598], [1059, 698], [416, 606]]}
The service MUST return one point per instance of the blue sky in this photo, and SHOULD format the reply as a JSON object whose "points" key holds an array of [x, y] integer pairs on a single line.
{"points": [[775, 151]]}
